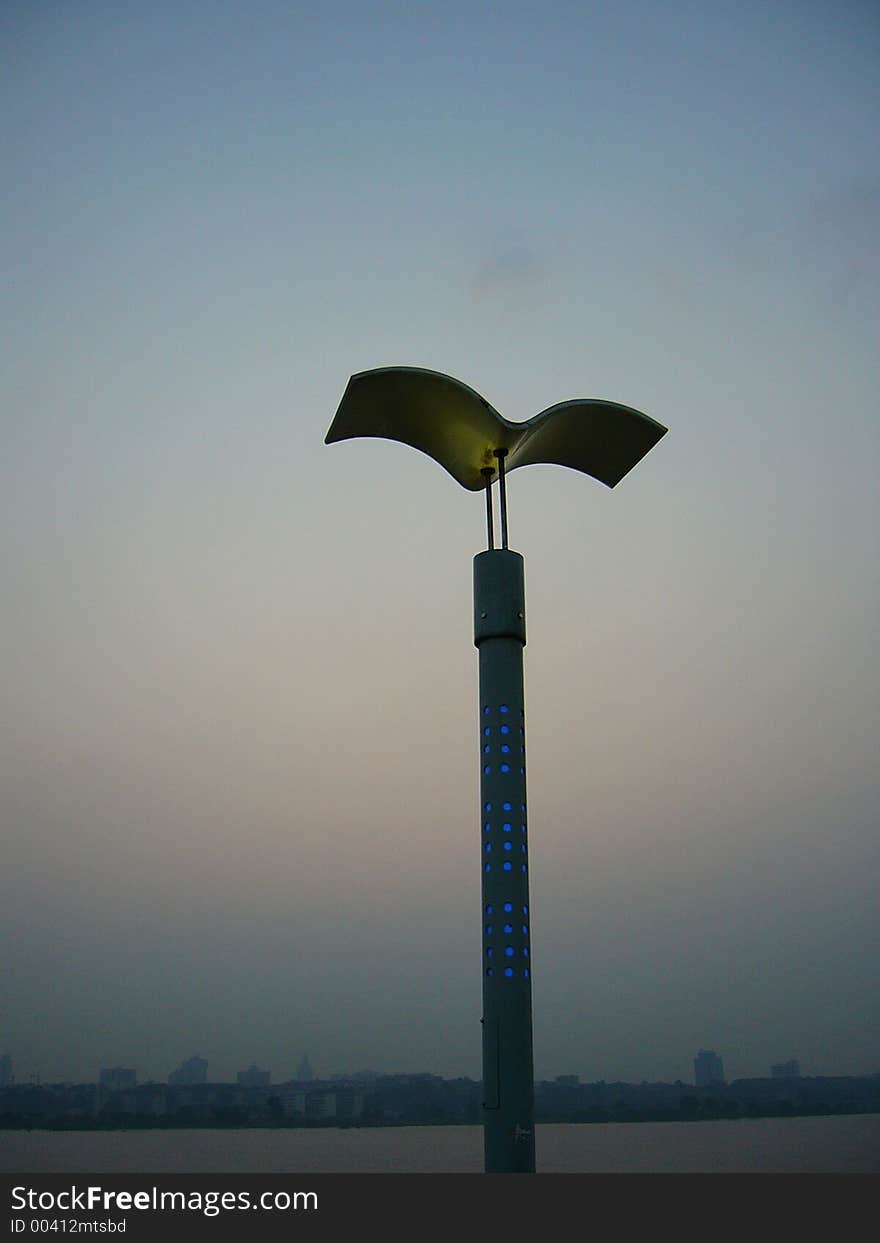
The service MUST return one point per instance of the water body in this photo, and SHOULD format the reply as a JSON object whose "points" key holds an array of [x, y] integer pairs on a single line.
{"points": [[847, 1144]]}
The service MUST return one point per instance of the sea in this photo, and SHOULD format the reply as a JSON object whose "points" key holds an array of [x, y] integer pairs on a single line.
{"points": [[821, 1145]]}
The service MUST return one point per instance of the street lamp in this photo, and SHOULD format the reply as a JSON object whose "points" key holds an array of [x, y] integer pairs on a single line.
{"points": [[459, 429]]}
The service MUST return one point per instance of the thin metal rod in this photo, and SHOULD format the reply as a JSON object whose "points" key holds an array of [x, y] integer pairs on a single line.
{"points": [[488, 472], [501, 454]]}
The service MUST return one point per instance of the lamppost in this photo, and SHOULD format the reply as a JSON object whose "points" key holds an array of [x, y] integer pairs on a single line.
{"points": [[459, 429]]}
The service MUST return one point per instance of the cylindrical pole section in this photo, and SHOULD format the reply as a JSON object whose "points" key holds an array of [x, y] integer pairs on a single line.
{"points": [[508, 1077]]}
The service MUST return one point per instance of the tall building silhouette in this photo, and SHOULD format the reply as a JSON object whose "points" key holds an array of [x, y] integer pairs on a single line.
{"points": [[193, 1070], [253, 1077], [305, 1074], [708, 1069], [117, 1078], [786, 1070]]}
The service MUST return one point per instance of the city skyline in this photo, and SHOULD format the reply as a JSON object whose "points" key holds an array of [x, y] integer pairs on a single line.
{"points": [[791, 1066]]}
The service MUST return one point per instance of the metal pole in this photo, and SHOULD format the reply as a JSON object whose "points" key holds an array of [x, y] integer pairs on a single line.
{"points": [[501, 454], [487, 472], [508, 1076]]}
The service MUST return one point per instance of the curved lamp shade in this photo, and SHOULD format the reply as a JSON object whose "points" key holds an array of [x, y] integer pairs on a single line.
{"points": [[459, 429]]}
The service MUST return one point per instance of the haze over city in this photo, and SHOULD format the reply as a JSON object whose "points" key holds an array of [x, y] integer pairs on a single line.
{"points": [[239, 766]]}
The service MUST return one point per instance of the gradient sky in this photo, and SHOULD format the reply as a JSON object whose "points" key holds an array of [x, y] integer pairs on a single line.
{"points": [[239, 764]]}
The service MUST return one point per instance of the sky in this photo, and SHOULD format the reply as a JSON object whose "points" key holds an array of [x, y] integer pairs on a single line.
{"points": [[239, 759]]}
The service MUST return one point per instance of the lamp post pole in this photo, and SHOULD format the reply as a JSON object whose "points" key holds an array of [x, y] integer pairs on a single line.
{"points": [[500, 636]]}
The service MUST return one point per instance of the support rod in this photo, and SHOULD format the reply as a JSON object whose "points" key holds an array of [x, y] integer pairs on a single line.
{"points": [[501, 454], [487, 472]]}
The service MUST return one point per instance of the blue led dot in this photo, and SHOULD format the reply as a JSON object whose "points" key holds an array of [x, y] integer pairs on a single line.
{"points": [[504, 708], [489, 807], [522, 732], [487, 867], [505, 828], [523, 866], [508, 866], [525, 951], [488, 930], [490, 910], [526, 972], [525, 910], [522, 807], [486, 769], [487, 731], [525, 929], [506, 806], [507, 846], [508, 928], [508, 971], [487, 827], [523, 771], [505, 749], [508, 906], [491, 971], [488, 848], [486, 710], [489, 952], [486, 749], [523, 847], [505, 768], [509, 951], [505, 729]]}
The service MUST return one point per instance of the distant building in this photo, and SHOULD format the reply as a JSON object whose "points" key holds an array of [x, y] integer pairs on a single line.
{"points": [[117, 1078], [708, 1069], [786, 1070], [305, 1074], [253, 1077], [193, 1070], [568, 1081], [5, 1070], [321, 1105], [293, 1101]]}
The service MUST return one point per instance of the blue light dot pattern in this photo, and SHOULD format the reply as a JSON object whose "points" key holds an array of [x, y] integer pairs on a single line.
{"points": [[505, 885]]}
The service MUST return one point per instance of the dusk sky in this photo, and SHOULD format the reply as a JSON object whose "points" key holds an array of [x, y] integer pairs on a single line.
{"points": [[239, 766]]}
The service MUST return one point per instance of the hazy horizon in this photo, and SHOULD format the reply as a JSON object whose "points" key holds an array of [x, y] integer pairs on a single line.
{"points": [[239, 768]]}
